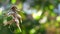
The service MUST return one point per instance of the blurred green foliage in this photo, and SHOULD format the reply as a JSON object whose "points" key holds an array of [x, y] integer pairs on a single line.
{"points": [[30, 23]]}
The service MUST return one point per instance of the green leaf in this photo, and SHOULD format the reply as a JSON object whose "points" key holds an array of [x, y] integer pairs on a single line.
{"points": [[13, 1], [32, 31], [9, 18], [51, 7]]}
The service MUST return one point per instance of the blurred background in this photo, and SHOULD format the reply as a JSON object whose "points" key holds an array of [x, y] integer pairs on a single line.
{"points": [[38, 16]]}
